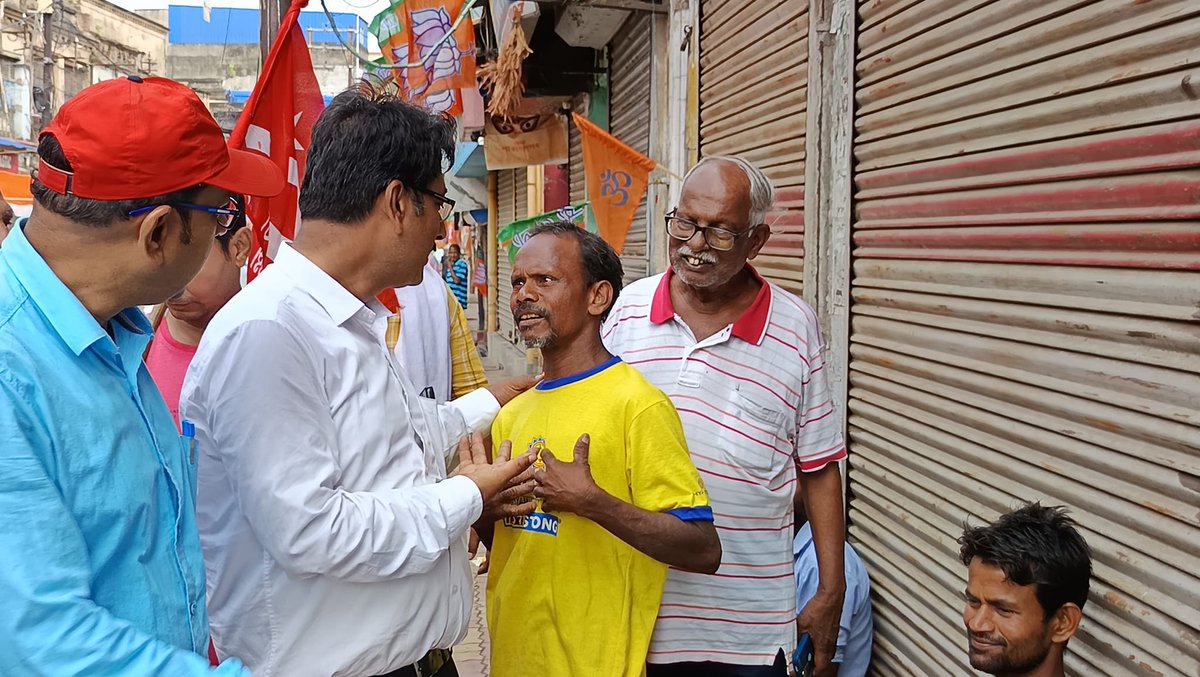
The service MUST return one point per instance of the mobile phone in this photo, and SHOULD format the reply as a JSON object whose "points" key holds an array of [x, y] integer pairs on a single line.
{"points": [[802, 659]]}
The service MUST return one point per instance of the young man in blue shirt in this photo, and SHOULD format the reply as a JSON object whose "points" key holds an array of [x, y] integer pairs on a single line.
{"points": [[100, 566]]}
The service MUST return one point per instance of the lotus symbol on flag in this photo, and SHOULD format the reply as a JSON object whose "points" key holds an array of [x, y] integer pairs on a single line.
{"points": [[429, 26]]}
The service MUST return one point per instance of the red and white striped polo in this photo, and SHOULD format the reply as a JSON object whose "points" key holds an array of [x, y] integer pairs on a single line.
{"points": [[754, 404]]}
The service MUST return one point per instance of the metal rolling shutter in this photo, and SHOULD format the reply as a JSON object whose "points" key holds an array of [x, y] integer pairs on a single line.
{"points": [[578, 187], [631, 66], [506, 187], [1024, 321], [753, 89]]}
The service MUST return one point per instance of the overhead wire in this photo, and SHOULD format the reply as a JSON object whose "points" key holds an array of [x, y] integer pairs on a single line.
{"points": [[462, 15]]}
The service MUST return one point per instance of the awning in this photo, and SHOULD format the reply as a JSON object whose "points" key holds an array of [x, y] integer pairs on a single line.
{"points": [[469, 162], [468, 194], [16, 188], [16, 144]]}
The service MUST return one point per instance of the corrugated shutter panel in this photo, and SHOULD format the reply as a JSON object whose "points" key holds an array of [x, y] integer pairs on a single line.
{"points": [[631, 66], [578, 186], [506, 187], [1024, 323], [753, 90]]}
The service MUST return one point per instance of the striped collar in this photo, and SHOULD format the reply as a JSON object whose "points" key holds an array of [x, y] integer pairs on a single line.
{"points": [[751, 327]]}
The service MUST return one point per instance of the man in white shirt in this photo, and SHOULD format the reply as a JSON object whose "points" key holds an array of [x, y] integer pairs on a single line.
{"points": [[334, 543]]}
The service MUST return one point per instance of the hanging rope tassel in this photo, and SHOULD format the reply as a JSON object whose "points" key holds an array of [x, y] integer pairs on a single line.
{"points": [[502, 77]]}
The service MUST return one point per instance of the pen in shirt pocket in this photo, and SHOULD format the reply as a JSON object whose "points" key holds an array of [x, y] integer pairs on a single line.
{"points": [[189, 435]]}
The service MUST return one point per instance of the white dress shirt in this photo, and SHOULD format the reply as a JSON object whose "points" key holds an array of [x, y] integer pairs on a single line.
{"points": [[333, 542], [424, 346]]}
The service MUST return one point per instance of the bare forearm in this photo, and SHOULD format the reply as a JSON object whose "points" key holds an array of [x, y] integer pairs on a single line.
{"points": [[693, 546], [822, 495]]}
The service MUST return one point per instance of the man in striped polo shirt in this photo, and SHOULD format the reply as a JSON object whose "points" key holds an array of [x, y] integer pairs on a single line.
{"points": [[742, 360], [455, 273]]}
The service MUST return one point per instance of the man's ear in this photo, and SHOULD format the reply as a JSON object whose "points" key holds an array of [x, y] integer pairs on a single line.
{"points": [[155, 231], [758, 239], [600, 298], [239, 246], [1065, 623], [396, 204]]}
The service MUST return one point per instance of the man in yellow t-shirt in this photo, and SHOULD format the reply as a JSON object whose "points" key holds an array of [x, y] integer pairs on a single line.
{"points": [[574, 587]]}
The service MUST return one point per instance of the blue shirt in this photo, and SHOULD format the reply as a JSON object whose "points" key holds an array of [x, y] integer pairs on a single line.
{"points": [[856, 631], [100, 565], [459, 288]]}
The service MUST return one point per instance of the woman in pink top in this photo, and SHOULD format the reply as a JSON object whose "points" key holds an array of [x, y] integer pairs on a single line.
{"points": [[181, 321]]}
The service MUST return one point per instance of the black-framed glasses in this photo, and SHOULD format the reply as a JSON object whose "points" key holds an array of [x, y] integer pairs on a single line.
{"points": [[445, 204], [717, 238], [225, 215]]}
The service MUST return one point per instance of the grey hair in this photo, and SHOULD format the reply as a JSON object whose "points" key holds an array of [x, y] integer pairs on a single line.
{"points": [[762, 192]]}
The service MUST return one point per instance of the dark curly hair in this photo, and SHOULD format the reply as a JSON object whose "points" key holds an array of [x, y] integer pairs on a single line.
{"points": [[1035, 545], [364, 140]]}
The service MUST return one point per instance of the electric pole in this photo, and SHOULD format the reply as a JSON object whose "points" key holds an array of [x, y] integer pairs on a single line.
{"points": [[48, 61], [270, 16]]}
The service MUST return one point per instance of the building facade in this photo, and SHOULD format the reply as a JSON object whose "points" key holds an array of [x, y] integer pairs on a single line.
{"points": [[218, 55]]}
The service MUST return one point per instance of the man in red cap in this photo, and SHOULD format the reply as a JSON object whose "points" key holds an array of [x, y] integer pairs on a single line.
{"points": [[100, 564]]}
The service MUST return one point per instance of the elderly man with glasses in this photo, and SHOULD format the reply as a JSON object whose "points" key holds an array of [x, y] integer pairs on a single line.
{"points": [[742, 361]]}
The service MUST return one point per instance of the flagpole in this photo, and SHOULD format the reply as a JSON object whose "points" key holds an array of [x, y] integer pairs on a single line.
{"points": [[668, 172]]}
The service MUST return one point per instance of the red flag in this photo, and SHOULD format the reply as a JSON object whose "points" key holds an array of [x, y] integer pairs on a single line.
{"points": [[277, 121]]}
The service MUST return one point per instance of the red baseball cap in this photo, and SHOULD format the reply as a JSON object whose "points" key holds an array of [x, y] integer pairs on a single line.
{"points": [[133, 138]]}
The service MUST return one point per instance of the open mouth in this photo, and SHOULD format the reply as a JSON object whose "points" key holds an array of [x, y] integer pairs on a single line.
{"points": [[696, 261], [529, 320]]}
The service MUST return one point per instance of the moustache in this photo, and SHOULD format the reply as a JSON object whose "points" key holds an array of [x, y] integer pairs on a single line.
{"points": [[530, 309], [704, 256]]}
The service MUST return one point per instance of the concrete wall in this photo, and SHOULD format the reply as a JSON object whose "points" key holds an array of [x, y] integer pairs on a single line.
{"points": [[132, 31], [234, 68]]}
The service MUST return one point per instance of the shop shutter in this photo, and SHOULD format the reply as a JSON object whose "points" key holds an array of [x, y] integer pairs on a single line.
{"points": [[753, 89], [507, 189], [631, 64], [578, 187], [1024, 312]]}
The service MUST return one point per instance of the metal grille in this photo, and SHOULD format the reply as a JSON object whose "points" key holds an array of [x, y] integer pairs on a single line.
{"points": [[753, 90], [1024, 318], [631, 66]]}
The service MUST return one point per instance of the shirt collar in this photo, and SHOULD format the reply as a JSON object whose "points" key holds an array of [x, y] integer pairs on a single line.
{"points": [[751, 327], [70, 320], [337, 301]]}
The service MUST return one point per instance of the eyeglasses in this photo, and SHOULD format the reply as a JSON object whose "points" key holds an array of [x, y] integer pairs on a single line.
{"points": [[719, 239], [445, 204], [225, 215]]}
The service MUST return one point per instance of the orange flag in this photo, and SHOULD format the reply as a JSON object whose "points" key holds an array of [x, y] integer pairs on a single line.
{"points": [[448, 63], [617, 176]]}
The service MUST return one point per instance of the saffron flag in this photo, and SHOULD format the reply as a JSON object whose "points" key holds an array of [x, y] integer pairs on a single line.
{"points": [[514, 235], [277, 122], [391, 28], [616, 176], [446, 52]]}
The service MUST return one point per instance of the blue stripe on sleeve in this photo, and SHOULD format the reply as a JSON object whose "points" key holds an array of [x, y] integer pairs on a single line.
{"points": [[703, 513]]}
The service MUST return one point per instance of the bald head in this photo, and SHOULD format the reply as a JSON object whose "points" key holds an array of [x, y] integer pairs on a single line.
{"points": [[737, 174]]}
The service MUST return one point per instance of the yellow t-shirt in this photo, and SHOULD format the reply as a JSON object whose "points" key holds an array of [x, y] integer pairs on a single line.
{"points": [[566, 598]]}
